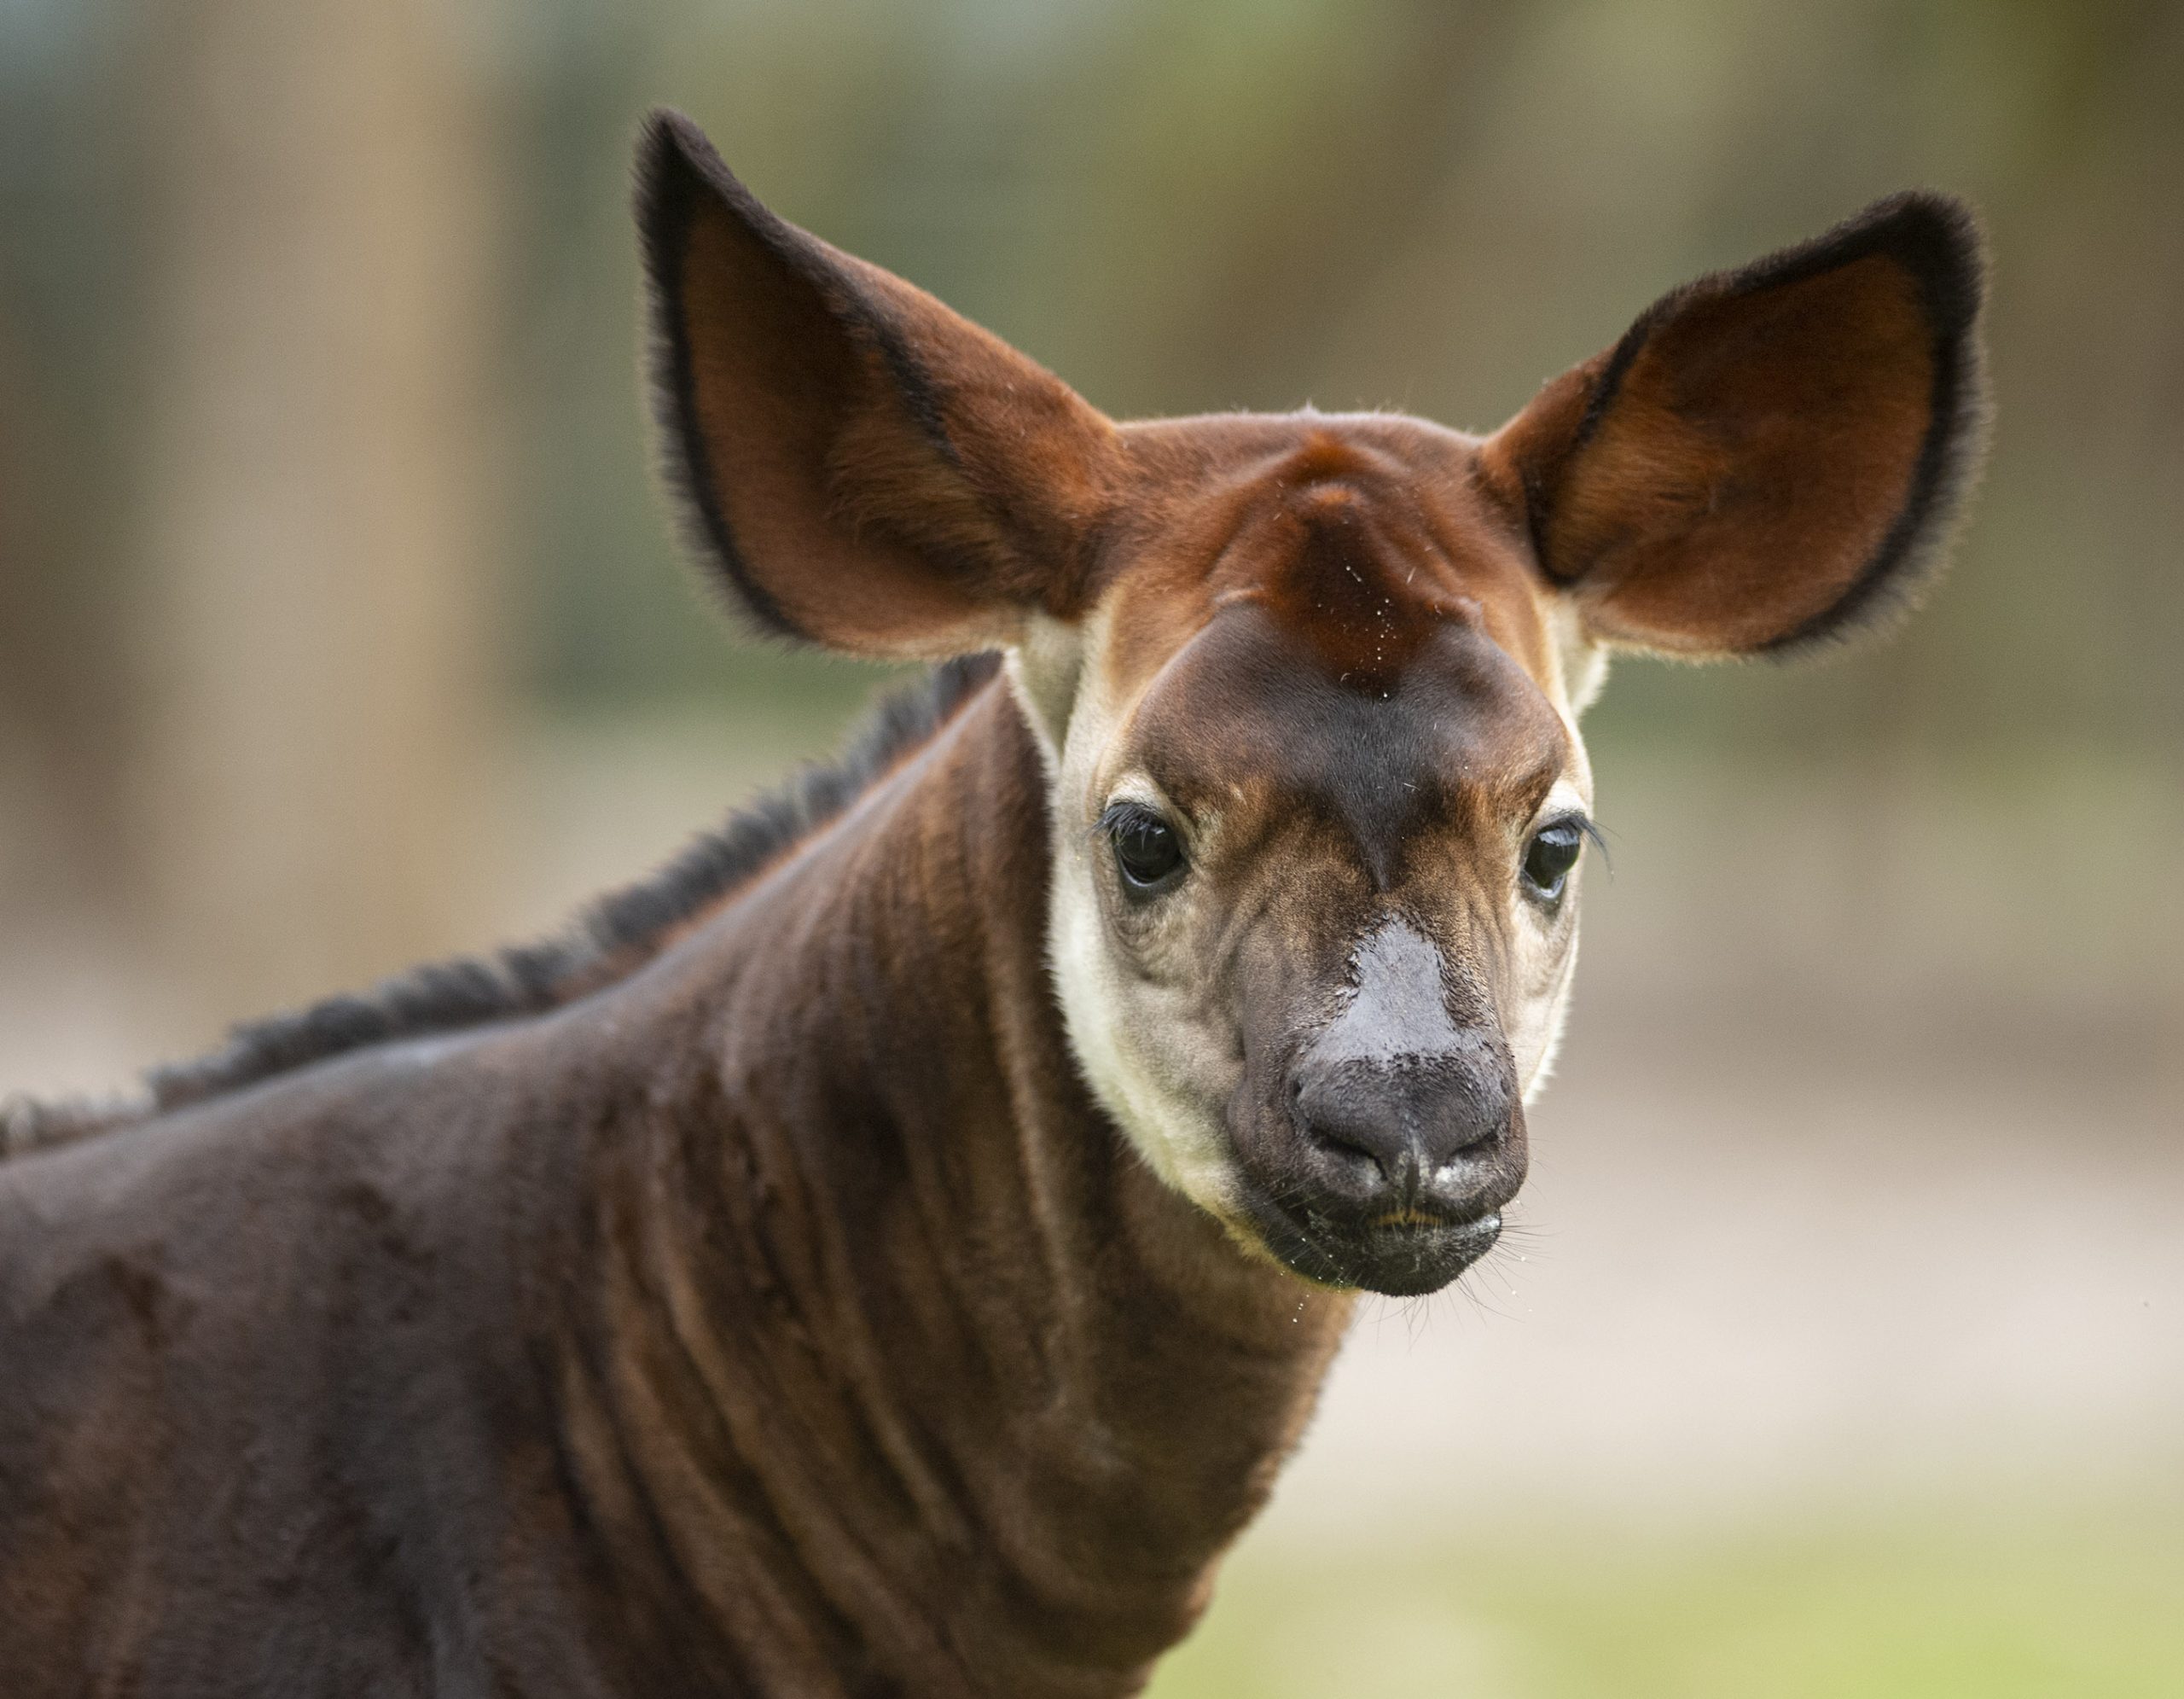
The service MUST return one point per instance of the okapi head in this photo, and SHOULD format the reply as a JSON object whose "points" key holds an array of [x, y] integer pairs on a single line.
{"points": [[1307, 687]]}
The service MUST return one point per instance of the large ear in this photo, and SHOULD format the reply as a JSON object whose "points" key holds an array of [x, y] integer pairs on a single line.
{"points": [[1769, 457], [863, 468]]}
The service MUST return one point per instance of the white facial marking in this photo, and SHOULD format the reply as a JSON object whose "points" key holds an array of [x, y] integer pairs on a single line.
{"points": [[1580, 664], [1146, 1053], [1043, 667], [1536, 1019], [1160, 1061]]}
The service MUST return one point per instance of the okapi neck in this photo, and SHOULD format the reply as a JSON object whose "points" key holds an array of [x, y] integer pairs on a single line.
{"points": [[910, 1372]]}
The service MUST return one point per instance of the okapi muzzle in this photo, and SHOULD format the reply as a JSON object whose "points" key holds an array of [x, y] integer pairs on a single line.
{"points": [[891, 1251], [1381, 1149]]}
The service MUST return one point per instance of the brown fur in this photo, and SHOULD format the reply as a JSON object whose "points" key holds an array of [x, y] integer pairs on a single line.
{"points": [[1770, 456], [822, 1344], [765, 1299], [855, 427]]}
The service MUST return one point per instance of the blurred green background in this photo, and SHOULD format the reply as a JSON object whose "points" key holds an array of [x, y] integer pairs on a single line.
{"points": [[340, 625]]}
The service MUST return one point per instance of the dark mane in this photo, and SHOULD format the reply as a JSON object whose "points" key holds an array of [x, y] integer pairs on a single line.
{"points": [[610, 939]]}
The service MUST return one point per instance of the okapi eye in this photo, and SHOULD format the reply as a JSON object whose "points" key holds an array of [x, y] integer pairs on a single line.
{"points": [[1553, 853], [1146, 849]]}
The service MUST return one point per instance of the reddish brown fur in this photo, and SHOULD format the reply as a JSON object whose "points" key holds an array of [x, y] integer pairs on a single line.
{"points": [[1361, 535], [820, 454], [769, 1302], [1821, 409]]}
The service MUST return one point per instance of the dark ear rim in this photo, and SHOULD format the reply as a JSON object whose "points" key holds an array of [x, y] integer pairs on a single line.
{"points": [[677, 171], [1936, 239]]}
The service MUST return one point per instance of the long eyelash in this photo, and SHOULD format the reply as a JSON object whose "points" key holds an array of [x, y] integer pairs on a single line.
{"points": [[1111, 821], [1592, 830]]}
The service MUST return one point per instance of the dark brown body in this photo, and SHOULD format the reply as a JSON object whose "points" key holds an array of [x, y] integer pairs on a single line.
{"points": [[545, 1361], [893, 1253]]}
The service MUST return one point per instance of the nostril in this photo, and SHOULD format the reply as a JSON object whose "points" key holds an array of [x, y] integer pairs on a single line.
{"points": [[1335, 1115], [1397, 1124], [1356, 1147]]}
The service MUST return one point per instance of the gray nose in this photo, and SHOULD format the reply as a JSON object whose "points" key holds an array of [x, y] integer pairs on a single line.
{"points": [[1408, 1118], [1396, 1088]]}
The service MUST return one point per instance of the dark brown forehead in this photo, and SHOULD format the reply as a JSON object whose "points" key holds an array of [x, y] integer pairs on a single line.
{"points": [[1359, 537], [1327, 621], [1253, 715]]}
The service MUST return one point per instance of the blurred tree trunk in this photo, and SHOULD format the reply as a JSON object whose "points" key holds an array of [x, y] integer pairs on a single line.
{"points": [[41, 707], [64, 689], [320, 495]]}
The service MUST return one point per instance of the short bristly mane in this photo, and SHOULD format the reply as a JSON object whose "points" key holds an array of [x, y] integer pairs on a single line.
{"points": [[616, 935]]}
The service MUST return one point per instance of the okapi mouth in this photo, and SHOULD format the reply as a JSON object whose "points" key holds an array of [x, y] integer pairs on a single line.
{"points": [[1402, 1252]]}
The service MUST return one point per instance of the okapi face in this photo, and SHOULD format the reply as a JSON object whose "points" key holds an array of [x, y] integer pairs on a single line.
{"points": [[1307, 687], [1318, 798]]}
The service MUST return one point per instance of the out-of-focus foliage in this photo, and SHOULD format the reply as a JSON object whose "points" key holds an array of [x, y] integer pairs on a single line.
{"points": [[1182, 207]]}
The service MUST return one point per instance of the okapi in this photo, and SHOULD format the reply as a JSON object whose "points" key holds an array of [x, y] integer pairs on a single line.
{"points": [[893, 1251]]}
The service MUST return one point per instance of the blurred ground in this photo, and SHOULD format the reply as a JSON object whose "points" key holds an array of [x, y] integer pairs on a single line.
{"points": [[1940, 1600]]}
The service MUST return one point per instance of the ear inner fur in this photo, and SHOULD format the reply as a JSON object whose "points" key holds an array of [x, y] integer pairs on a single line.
{"points": [[1768, 457], [864, 468]]}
